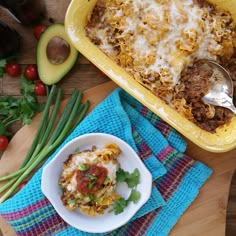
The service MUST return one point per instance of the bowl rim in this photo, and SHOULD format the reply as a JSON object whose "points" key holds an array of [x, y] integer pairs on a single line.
{"points": [[223, 140], [144, 172]]}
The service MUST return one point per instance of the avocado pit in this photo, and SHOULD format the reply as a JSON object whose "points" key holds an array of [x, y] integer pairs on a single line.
{"points": [[58, 50]]}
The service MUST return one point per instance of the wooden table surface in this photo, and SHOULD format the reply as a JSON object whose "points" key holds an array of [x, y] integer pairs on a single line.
{"points": [[207, 215]]}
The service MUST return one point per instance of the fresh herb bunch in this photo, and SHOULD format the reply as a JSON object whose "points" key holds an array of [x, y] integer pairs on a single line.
{"points": [[21, 109]]}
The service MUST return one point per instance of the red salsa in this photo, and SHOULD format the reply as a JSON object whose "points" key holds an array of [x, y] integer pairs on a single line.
{"points": [[89, 181]]}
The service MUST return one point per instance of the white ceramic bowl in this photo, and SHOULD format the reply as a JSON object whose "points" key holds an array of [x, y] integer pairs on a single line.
{"points": [[128, 160]]}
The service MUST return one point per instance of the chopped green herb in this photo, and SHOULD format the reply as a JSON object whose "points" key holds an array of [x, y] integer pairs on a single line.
{"points": [[94, 178], [107, 180], [77, 150], [91, 197], [93, 181], [98, 200], [72, 201], [83, 167], [62, 189], [90, 185]]}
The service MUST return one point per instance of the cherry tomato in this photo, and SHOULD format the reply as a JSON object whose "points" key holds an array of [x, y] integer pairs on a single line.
{"points": [[40, 88], [22, 185], [12, 69], [31, 72], [3, 142], [38, 30]]}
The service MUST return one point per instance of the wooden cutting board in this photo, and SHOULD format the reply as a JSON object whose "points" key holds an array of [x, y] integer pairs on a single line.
{"points": [[206, 216], [231, 209]]}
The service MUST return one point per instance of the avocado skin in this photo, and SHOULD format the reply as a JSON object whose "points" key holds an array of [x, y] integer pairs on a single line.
{"points": [[51, 73]]}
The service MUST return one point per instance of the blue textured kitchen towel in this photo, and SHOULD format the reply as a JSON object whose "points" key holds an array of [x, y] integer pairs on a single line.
{"points": [[177, 178]]}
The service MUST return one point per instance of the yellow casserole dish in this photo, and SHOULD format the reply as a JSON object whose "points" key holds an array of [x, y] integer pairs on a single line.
{"points": [[224, 139]]}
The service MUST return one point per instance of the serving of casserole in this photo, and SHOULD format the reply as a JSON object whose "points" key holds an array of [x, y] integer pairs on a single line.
{"points": [[96, 182], [149, 48], [88, 179]]}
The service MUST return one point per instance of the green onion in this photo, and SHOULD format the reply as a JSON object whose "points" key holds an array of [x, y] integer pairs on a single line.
{"points": [[72, 201], [41, 124], [83, 167], [50, 134], [93, 178], [62, 189], [90, 185], [77, 151], [107, 180], [98, 200], [91, 196]]}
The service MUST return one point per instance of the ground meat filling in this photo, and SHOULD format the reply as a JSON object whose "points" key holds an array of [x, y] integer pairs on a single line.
{"points": [[196, 84], [230, 65]]}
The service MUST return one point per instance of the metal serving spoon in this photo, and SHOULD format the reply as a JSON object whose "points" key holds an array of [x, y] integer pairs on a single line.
{"points": [[221, 91]]}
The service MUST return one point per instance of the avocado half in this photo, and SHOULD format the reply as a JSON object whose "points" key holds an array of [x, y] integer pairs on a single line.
{"points": [[50, 73]]}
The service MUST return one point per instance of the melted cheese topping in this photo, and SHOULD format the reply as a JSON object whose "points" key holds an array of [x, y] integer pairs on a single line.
{"points": [[157, 40]]}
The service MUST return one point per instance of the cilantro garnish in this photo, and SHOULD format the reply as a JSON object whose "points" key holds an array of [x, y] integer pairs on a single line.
{"points": [[134, 196], [132, 179], [120, 204]]}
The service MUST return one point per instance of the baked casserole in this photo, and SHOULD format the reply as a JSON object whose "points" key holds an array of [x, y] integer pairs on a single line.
{"points": [[159, 43]]}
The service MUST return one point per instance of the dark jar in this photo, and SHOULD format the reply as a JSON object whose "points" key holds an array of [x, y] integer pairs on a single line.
{"points": [[27, 12], [10, 41]]}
